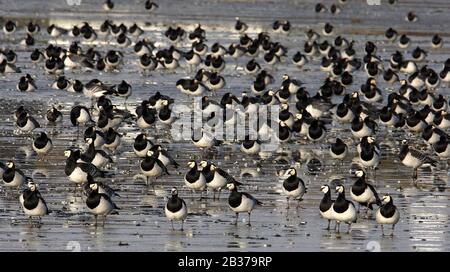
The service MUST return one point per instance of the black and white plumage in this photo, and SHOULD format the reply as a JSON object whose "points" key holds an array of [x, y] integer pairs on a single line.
{"points": [[77, 170], [364, 193], [220, 179], [338, 149], [164, 156], [99, 203], [369, 152], [293, 186], [176, 208], [326, 205], [152, 167], [96, 135], [414, 158], [241, 202], [53, 115], [387, 214], [26, 84], [316, 131], [363, 127], [98, 158], [13, 177], [250, 146], [42, 144], [80, 115], [26, 122], [112, 139], [343, 209], [146, 117], [442, 148], [204, 139], [194, 178], [33, 204], [142, 145], [102, 188]]}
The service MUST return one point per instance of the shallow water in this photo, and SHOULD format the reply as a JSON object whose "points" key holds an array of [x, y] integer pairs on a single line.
{"points": [[141, 224]]}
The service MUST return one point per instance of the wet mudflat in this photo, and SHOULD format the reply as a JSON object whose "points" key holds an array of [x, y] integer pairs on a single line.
{"points": [[141, 224]]}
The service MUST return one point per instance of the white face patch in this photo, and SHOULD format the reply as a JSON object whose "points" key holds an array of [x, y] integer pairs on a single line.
{"points": [[93, 186], [191, 164], [339, 189], [359, 173], [230, 186], [324, 189]]}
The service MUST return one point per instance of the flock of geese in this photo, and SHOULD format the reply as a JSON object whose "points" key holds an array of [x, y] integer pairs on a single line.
{"points": [[414, 107]]}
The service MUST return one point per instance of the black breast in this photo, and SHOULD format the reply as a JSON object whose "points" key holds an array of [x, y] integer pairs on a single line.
{"points": [[148, 163], [174, 204], [93, 200], [388, 210], [31, 200], [192, 175], [341, 204], [209, 175], [359, 187], [8, 175], [326, 202], [291, 183], [235, 199]]}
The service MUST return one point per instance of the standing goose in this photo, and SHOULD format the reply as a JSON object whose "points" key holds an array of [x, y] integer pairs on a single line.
{"points": [[241, 202], [152, 167], [146, 117], [42, 145], [326, 205], [13, 177], [102, 188], [32, 202], [26, 122], [414, 158], [163, 156], [98, 158], [176, 208], [250, 146], [99, 203], [53, 115], [338, 150], [194, 178], [387, 214], [78, 172], [343, 209], [112, 139], [79, 115], [293, 186], [96, 135], [363, 192], [216, 178], [142, 145]]}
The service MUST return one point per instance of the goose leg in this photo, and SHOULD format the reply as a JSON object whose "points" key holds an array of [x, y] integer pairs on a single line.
{"points": [[287, 198], [104, 219], [392, 234], [171, 221], [182, 223], [248, 224], [95, 221], [329, 223], [382, 230], [338, 225], [236, 221]]}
